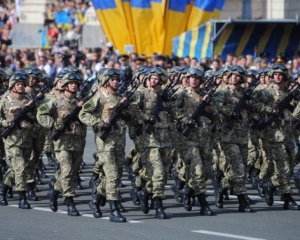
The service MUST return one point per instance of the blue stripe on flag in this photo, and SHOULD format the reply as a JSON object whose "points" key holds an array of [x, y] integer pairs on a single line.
{"points": [[233, 41], [187, 42], [176, 46], [220, 4], [200, 41], [178, 6], [206, 5], [107, 4], [140, 3]]}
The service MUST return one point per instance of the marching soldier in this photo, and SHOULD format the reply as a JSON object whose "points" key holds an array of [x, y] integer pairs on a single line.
{"points": [[17, 144], [68, 146], [96, 113]]}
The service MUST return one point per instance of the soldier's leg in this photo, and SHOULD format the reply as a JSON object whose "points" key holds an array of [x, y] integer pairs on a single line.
{"points": [[234, 175], [110, 183], [282, 167]]}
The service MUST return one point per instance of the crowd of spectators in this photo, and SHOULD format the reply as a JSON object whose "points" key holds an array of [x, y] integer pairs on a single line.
{"points": [[8, 16], [64, 32]]}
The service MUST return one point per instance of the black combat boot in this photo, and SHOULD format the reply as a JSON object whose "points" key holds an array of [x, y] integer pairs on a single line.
{"points": [[186, 195], [250, 170], [72, 211], [143, 196], [151, 205], [30, 192], [82, 164], [225, 194], [95, 156], [3, 192], [78, 182], [134, 196], [255, 179], [102, 200], [41, 170], [219, 197], [297, 181], [52, 182], [204, 207], [10, 193], [176, 188], [94, 180], [37, 178], [269, 190], [94, 205], [23, 204], [115, 215], [248, 199], [289, 202], [159, 208], [260, 188], [1, 175], [50, 159], [243, 205], [121, 207], [53, 196]]}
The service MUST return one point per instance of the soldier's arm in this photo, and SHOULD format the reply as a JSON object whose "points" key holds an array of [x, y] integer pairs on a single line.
{"points": [[3, 121], [89, 114], [219, 100], [262, 100], [296, 113], [44, 114]]}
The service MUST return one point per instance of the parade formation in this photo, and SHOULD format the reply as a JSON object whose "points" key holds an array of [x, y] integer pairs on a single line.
{"points": [[231, 126]]}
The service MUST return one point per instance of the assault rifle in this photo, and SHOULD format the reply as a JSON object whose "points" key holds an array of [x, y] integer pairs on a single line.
{"points": [[118, 112], [165, 96], [278, 110], [22, 115], [71, 117], [200, 110], [86, 87], [242, 104]]}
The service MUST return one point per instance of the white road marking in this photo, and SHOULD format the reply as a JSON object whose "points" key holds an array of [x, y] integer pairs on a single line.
{"points": [[226, 235], [65, 212]]}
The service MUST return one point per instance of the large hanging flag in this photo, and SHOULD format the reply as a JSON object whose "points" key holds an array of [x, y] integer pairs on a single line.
{"points": [[195, 43], [150, 25]]}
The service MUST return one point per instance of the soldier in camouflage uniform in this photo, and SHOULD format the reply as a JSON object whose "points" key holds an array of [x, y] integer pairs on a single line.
{"points": [[17, 145], [96, 113], [32, 89], [233, 141], [2, 151], [279, 138], [297, 137], [196, 151], [68, 146], [156, 156]]}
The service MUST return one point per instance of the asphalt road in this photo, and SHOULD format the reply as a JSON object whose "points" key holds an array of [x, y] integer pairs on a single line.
{"points": [[40, 223]]}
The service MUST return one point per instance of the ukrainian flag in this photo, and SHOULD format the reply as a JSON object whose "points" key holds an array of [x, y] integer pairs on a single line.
{"points": [[202, 11], [151, 25], [176, 19], [195, 43], [113, 20]]}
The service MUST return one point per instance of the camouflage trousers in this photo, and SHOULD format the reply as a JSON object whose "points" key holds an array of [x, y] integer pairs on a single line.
{"points": [[110, 165], [156, 162], [254, 150], [234, 172], [280, 154], [69, 162], [18, 172], [195, 175], [48, 144]]}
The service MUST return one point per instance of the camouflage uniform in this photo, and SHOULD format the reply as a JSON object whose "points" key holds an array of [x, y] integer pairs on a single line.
{"points": [[68, 146], [17, 145], [233, 141], [279, 138]]}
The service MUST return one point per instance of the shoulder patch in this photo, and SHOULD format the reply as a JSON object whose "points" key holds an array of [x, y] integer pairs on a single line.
{"points": [[43, 108], [88, 105]]}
